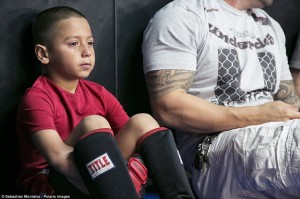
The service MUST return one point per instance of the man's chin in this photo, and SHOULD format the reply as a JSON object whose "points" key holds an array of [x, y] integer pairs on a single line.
{"points": [[267, 3]]}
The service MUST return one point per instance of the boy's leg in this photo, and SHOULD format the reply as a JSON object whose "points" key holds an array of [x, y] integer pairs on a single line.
{"points": [[158, 150], [99, 160], [102, 166]]}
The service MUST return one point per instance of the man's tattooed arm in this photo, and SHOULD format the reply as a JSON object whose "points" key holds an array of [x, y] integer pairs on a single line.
{"points": [[161, 82], [287, 93]]}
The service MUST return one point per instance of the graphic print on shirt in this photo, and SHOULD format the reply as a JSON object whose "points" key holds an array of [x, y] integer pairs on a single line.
{"points": [[257, 43], [228, 83], [228, 88], [267, 62]]}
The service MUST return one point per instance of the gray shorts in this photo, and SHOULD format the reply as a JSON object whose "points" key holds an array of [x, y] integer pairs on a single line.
{"points": [[260, 161]]}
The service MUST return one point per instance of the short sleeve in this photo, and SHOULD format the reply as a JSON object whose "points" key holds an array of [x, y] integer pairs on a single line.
{"points": [[285, 70], [36, 112], [171, 40], [114, 112]]}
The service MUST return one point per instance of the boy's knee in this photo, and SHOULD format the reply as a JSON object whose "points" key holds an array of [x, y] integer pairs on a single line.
{"points": [[92, 122], [144, 122], [85, 126]]}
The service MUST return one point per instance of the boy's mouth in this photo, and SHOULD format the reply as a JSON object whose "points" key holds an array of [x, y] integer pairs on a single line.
{"points": [[86, 66]]}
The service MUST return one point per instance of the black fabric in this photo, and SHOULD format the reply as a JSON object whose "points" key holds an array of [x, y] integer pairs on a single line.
{"points": [[62, 186], [100, 153], [160, 155]]}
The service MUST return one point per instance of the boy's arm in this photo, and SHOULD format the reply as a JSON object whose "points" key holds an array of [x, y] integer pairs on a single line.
{"points": [[59, 155], [172, 106]]}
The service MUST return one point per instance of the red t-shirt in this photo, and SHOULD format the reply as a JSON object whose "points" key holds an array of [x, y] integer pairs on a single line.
{"points": [[47, 106]]}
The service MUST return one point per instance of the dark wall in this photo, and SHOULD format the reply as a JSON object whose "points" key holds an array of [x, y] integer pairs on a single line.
{"points": [[118, 28], [132, 19], [287, 13]]}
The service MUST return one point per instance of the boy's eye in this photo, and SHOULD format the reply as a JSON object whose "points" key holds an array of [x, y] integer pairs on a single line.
{"points": [[74, 43], [91, 43]]}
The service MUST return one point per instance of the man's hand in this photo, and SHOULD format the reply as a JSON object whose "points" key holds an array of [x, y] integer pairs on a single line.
{"points": [[278, 111]]}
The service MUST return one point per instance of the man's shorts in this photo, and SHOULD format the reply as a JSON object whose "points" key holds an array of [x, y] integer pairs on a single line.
{"points": [[260, 161]]}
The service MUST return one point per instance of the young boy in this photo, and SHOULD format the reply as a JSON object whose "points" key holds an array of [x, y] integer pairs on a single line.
{"points": [[75, 136]]}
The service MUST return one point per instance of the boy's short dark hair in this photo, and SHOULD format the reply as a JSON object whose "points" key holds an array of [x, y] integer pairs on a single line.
{"points": [[44, 23]]}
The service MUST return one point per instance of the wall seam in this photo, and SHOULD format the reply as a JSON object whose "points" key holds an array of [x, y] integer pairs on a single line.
{"points": [[116, 49]]}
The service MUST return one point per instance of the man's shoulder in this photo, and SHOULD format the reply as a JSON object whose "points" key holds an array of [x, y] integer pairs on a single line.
{"points": [[188, 4], [194, 6], [263, 17], [181, 11]]}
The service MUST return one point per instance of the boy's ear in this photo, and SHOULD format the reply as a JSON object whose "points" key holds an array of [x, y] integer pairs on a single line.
{"points": [[41, 53]]}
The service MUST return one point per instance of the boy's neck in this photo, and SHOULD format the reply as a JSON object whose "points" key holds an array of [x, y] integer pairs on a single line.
{"points": [[67, 85]]}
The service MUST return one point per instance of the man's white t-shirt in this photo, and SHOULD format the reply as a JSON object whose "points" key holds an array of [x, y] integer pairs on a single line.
{"points": [[239, 56]]}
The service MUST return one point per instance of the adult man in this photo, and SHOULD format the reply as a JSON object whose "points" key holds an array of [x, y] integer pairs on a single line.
{"points": [[220, 66]]}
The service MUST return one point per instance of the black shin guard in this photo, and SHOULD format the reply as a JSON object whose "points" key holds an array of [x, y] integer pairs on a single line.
{"points": [[159, 152], [102, 167]]}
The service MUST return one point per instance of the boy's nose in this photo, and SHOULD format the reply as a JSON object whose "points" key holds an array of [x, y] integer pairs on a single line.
{"points": [[86, 51]]}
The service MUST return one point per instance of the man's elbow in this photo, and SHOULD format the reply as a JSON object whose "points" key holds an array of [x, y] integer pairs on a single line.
{"points": [[167, 110], [157, 114], [162, 115]]}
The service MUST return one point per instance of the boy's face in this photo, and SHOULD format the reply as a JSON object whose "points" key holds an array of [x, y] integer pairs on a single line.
{"points": [[71, 54]]}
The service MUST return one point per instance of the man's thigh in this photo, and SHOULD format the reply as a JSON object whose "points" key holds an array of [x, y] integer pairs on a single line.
{"points": [[261, 160]]}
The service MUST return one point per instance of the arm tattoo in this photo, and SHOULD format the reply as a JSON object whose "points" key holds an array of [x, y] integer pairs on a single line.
{"points": [[161, 82], [287, 93]]}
